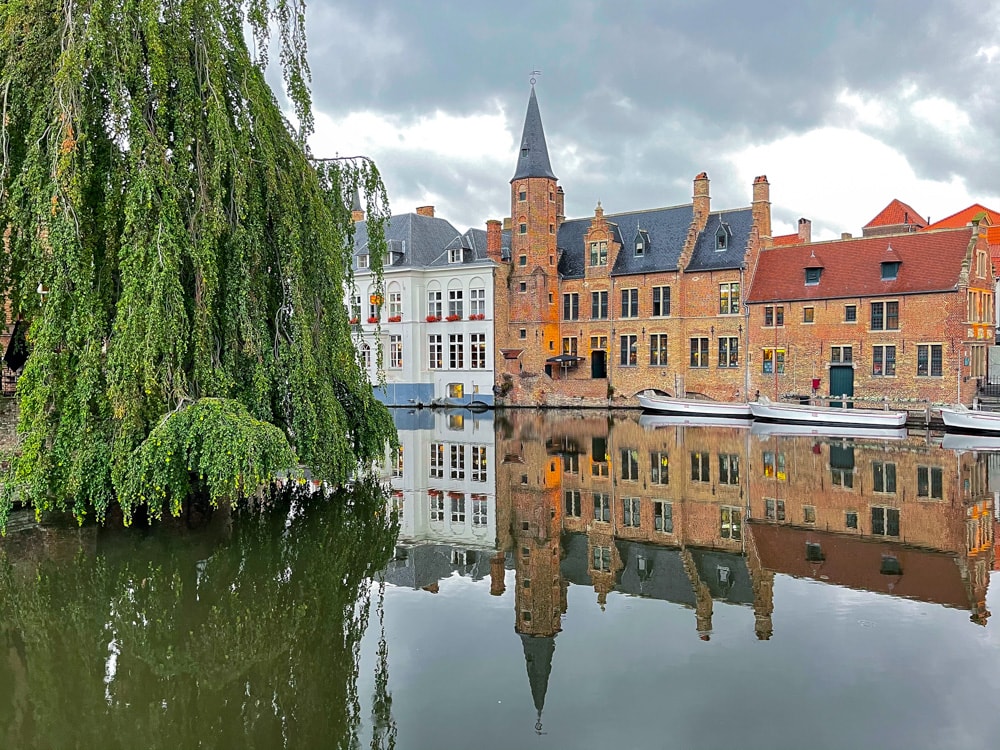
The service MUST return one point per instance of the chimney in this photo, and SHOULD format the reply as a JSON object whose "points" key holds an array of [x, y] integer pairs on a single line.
{"points": [[507, 224], [805, 231], [357, 212], [702, 201], [425, 211], [493, 240], [846, 236], [762, 205], [560, 205]]}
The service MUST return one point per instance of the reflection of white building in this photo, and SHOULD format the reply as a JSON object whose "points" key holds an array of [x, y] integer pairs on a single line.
{"points": [[436, 314]]}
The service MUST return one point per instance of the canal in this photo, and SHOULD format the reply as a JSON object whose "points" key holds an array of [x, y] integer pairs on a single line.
{"points": [[533, 579]]}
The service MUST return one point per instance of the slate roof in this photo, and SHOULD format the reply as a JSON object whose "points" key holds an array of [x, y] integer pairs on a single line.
{"points": [[666, 229], [417, 241], [533, 155], [737, 225], [929, 262], [897, 213], [963, 217]]}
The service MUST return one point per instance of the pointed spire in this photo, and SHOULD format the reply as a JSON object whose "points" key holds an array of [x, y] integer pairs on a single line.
{"points": [[538, 657], [533, 155]]}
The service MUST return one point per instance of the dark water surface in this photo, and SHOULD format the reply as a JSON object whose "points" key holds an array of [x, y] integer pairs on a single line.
{"points": [[558, 581]]}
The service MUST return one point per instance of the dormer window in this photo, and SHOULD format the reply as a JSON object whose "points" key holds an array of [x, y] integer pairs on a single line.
{"points": [[455, 255], [640, 243], [639, 248], [721, 239], [890, 269], [812, 276], [363, 261]]}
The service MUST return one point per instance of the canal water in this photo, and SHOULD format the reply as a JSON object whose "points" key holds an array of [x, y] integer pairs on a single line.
{"points": [[534, 579]]}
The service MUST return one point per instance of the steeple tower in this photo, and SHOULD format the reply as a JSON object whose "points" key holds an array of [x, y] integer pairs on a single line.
{"points": [[533, 157]]}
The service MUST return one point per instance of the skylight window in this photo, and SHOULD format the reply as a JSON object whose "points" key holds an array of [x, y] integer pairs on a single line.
{"points": [[890, 269], [812, 275]]}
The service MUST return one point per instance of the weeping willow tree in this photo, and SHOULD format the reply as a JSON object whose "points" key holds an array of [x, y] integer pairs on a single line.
{"points": [[180, 262]]}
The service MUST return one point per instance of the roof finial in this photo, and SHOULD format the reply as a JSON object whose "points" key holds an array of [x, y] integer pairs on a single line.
{"points": [[534, 76]]}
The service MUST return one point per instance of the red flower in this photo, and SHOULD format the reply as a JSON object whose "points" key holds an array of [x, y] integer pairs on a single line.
{"points": [[433, 318], [453, 318], [373, 319], [395, 318]]}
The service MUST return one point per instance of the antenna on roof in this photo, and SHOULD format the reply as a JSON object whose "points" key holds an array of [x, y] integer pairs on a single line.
{"points": [[534, 76]]}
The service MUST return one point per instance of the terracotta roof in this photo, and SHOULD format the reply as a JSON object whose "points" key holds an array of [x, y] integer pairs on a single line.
{"points": [[895, 213], [785, 239], [929, 262], [993, 235], [963, 217]]}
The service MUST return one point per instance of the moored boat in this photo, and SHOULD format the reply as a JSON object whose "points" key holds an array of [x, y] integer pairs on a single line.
{"points": [[960, 417], [658, 421], [767, 410], [967, 441], [785, 429], [692, 407]]}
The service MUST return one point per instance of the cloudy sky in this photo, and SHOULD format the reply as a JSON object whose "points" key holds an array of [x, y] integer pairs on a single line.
{"points": [[843, 105]]}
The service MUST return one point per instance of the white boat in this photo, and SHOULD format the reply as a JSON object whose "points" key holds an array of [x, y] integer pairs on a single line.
{"points": [[782, 429], [964, 441], [962, 418], [692, 407], [807, 414], [658, 421]]}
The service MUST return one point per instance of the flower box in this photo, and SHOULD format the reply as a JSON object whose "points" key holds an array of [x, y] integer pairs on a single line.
{"points": [[354, 321], [395, 318], [373, 319], [477, 316], [433, 318], [453, 318]]}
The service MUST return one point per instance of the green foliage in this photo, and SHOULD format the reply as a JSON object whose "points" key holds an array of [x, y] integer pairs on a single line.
{"points": [[189, 252]]}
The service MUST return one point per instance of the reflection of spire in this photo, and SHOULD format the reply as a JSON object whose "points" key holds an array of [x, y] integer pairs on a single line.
{"points": [[383, 725], [538, 658], [702, 595], [497, 583]]}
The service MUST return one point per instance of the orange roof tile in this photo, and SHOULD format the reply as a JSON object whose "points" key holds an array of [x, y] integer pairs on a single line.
{"points": [[993, 235], [929, 262], [895, 213], [786, 239], [963, 217]]}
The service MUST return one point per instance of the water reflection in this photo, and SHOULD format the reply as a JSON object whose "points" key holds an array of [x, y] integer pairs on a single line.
{"points": [[238, 634]]}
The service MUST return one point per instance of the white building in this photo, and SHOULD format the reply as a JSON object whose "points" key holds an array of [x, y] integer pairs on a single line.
{"points": [[435, 320]]}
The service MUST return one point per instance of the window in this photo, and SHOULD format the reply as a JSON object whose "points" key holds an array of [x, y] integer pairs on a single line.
{"points": [[700, 462], [456, 351], [630, 465], [458, 507], [699, 352], [395, 305], [571, 306], [571, 463], [477, 302], [640, 248], [721, 239], [851, 519], [602, 559], [729, 468], [479, 463], [885, 316], [437, 507], [374, 307], [522, 228], [929, 360], [629, 350], [929, 482], [434, 304], [366, 355], [602, 506], [774, 315], [363, 261], [397, 462], [841, 354], [661, 301], [730, 523], [658, 349], [522, 194], [808, 314], [572, 500], [774, 465], [774, 510], [522, 260], [884, 477], [523, 333], [850, 313], [480, 512], [455, 302], [729, 298], [454, 255], [729, 351], [599, 305], [663, 516], [458, 462], [630, 303], [884, 361], [842, 466], [885, 521], [598, 253], [809, 514], [477, 351], [659, 467], [773, 361], [599, 457], [598, 343], [395, 352], [631, 515], [890, 269], [812, 276], [437, 461], [569, 345], [435, 352]]}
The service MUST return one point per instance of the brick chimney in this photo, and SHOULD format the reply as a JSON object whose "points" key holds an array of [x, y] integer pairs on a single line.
{"points": [[493, 240], [805, 231], [425, 211], [846, 236], [762, 205], [702, 200], [560, 205]]}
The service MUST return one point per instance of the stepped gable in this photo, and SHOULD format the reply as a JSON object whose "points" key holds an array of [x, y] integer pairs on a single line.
{"points": [[929, 262], [736, 225], [422, 241], [666, 228]]}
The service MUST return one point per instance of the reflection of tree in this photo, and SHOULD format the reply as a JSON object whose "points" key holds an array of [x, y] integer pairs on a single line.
{"points": [[256, 646]]}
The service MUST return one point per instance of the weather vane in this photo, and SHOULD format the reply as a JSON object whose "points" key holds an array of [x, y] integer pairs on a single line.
{"points": [[534, 76]]}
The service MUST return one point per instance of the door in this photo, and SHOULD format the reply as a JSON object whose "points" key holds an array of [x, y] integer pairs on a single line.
{"points": [[841, 383], [598, 363]]}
